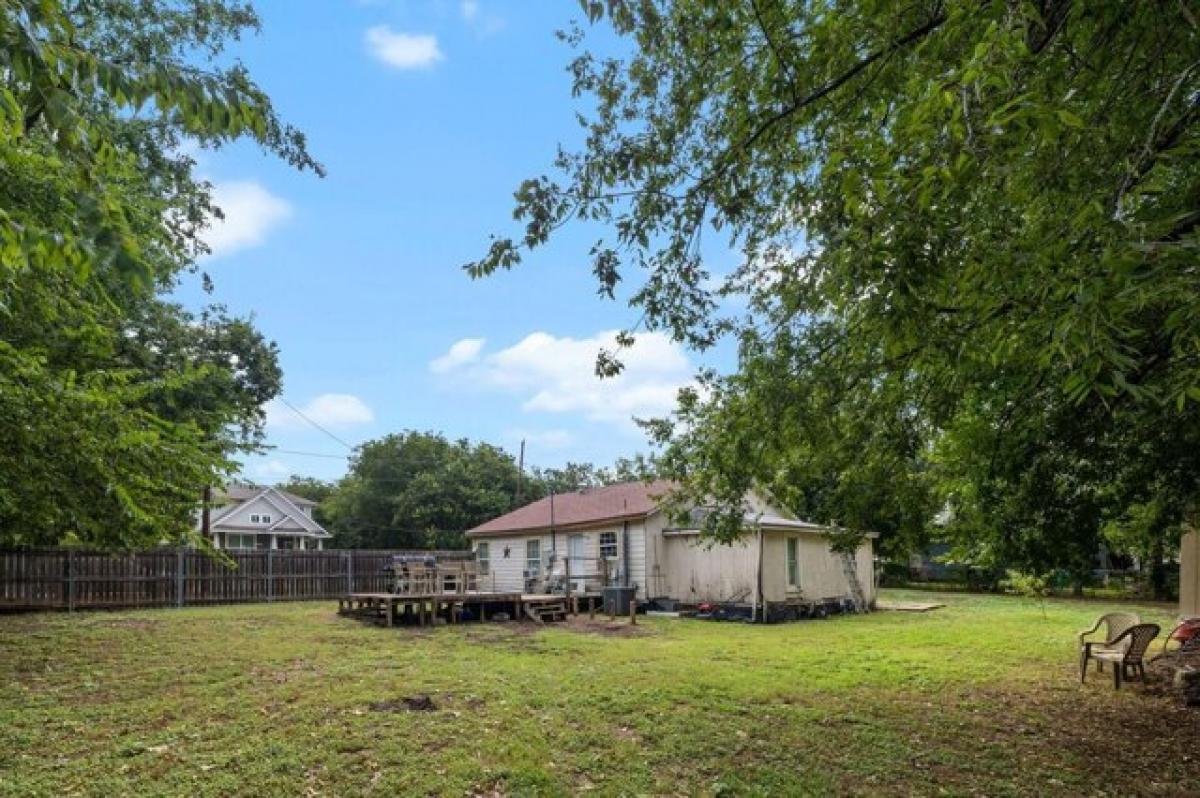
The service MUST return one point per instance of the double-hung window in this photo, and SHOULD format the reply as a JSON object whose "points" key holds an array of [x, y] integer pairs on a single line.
{"points": [[483, 555], [793, 564], [533, 556], [608, 545]]}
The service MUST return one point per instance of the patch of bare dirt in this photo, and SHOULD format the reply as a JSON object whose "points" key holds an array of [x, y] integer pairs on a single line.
{"points": [[626, 733], [416, 703], [602, 626]]}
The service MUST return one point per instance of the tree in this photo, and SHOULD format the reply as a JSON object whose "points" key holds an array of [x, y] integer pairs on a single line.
{"points": [[950, 214], [420, 490], [313, 489], [117, 407]]}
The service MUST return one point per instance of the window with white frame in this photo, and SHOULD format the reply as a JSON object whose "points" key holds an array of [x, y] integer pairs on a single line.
{"points": [[260, 518], [484, 555], [233, 541], [608, 545], [793, 563], [533, 556]]}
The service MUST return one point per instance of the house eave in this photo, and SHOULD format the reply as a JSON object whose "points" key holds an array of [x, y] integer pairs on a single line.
{"points": [[547, 529]]}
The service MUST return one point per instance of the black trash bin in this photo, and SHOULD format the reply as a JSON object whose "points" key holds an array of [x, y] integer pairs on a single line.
{"points": [[616, 599]]}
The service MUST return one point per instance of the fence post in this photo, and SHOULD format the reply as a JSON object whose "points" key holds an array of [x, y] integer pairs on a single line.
{"points": [[349, 572], [270, 575], [179, 576], [70, 580]]}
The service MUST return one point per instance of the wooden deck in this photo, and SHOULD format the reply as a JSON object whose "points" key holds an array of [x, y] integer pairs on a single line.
{"points": [[423, 609]]}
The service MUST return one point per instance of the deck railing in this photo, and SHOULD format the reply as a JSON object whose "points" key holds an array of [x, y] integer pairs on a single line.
{"points": [[61, 578]]}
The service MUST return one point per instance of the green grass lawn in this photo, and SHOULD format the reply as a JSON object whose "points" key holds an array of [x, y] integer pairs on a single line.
{"points": [[981, 697]]}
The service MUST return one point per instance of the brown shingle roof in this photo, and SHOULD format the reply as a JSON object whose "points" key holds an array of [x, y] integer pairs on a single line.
{"points": [[241, 493], [589, 506]]}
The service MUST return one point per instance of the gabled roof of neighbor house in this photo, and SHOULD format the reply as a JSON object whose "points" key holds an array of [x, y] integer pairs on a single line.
{"points": [[242, 493], [580, 508], [239, 495]]}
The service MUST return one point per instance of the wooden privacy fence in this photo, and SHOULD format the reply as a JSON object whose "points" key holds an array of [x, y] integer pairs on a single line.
{"points": [[174, 577]]}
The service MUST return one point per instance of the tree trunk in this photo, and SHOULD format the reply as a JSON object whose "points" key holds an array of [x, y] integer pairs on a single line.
{"points": [[1158, 572]]}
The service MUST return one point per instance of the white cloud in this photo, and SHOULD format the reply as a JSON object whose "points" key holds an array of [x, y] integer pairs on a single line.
{"points": [[250, 211], [482, 22], [328, 410], [557, 375], [461, 353], [273, 469], [403, 50]]}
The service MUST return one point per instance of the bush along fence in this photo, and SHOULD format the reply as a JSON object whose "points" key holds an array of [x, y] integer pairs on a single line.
{"points": [[70, 579]]}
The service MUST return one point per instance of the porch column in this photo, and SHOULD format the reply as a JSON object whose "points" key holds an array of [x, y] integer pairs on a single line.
{"points": [[273, 542], [320, 544]]}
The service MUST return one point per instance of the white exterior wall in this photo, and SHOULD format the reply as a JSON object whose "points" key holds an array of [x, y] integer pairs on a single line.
{"points": [[692, 572], [821, 571], [507, 575]]}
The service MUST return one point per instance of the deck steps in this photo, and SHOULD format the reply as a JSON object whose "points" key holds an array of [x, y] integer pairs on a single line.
{"points": [[553, 610]]}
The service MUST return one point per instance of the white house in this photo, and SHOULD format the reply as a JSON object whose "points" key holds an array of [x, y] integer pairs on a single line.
{"points": [[619, 535], [251, 517]]}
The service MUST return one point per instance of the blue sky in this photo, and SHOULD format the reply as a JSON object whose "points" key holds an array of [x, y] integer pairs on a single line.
{"points": [[427, 116]]}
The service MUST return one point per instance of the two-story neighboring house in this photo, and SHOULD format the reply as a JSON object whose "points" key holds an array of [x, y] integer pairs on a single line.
{"points": [[252, 517]]}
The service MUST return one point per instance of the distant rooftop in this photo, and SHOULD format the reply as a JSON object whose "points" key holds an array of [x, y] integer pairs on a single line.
{"points": [[241, 493], [588, 506]]}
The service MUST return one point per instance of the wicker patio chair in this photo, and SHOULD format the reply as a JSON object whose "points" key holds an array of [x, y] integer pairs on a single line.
{"points": [[1126, 653], [1114, 624]]}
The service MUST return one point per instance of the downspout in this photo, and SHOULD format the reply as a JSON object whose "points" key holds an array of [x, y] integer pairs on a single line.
{"points": [[552, 520], [625, 554], [206, 515]]}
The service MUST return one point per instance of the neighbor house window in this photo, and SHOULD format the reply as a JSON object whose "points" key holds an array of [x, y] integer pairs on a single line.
{"points": [[259, 518], [483, 555], [533, 556], [608, 545], [793, 563], [240, 541]]}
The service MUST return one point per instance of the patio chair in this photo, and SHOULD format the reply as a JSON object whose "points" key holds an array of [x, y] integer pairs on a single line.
{"points": [[1125, 653], [1186, 635], [470, 576], [1114, 624], [421, 579]]}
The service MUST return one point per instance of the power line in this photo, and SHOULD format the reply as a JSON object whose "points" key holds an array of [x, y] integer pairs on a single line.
{"points": [[300, 413], [311, 454]]}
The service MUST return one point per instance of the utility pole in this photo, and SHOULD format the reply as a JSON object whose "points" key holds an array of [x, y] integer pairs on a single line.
{"points": [[206, 513], [521, 474]]}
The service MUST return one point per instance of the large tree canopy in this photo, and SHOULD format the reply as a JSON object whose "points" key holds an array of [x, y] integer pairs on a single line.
{"points": [[420, 490], [117, 407], [970, 247]]}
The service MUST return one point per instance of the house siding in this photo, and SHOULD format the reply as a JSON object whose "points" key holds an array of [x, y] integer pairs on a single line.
{"points": [[507, 574], [679, 566], [691, 571], [821, 571]]}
